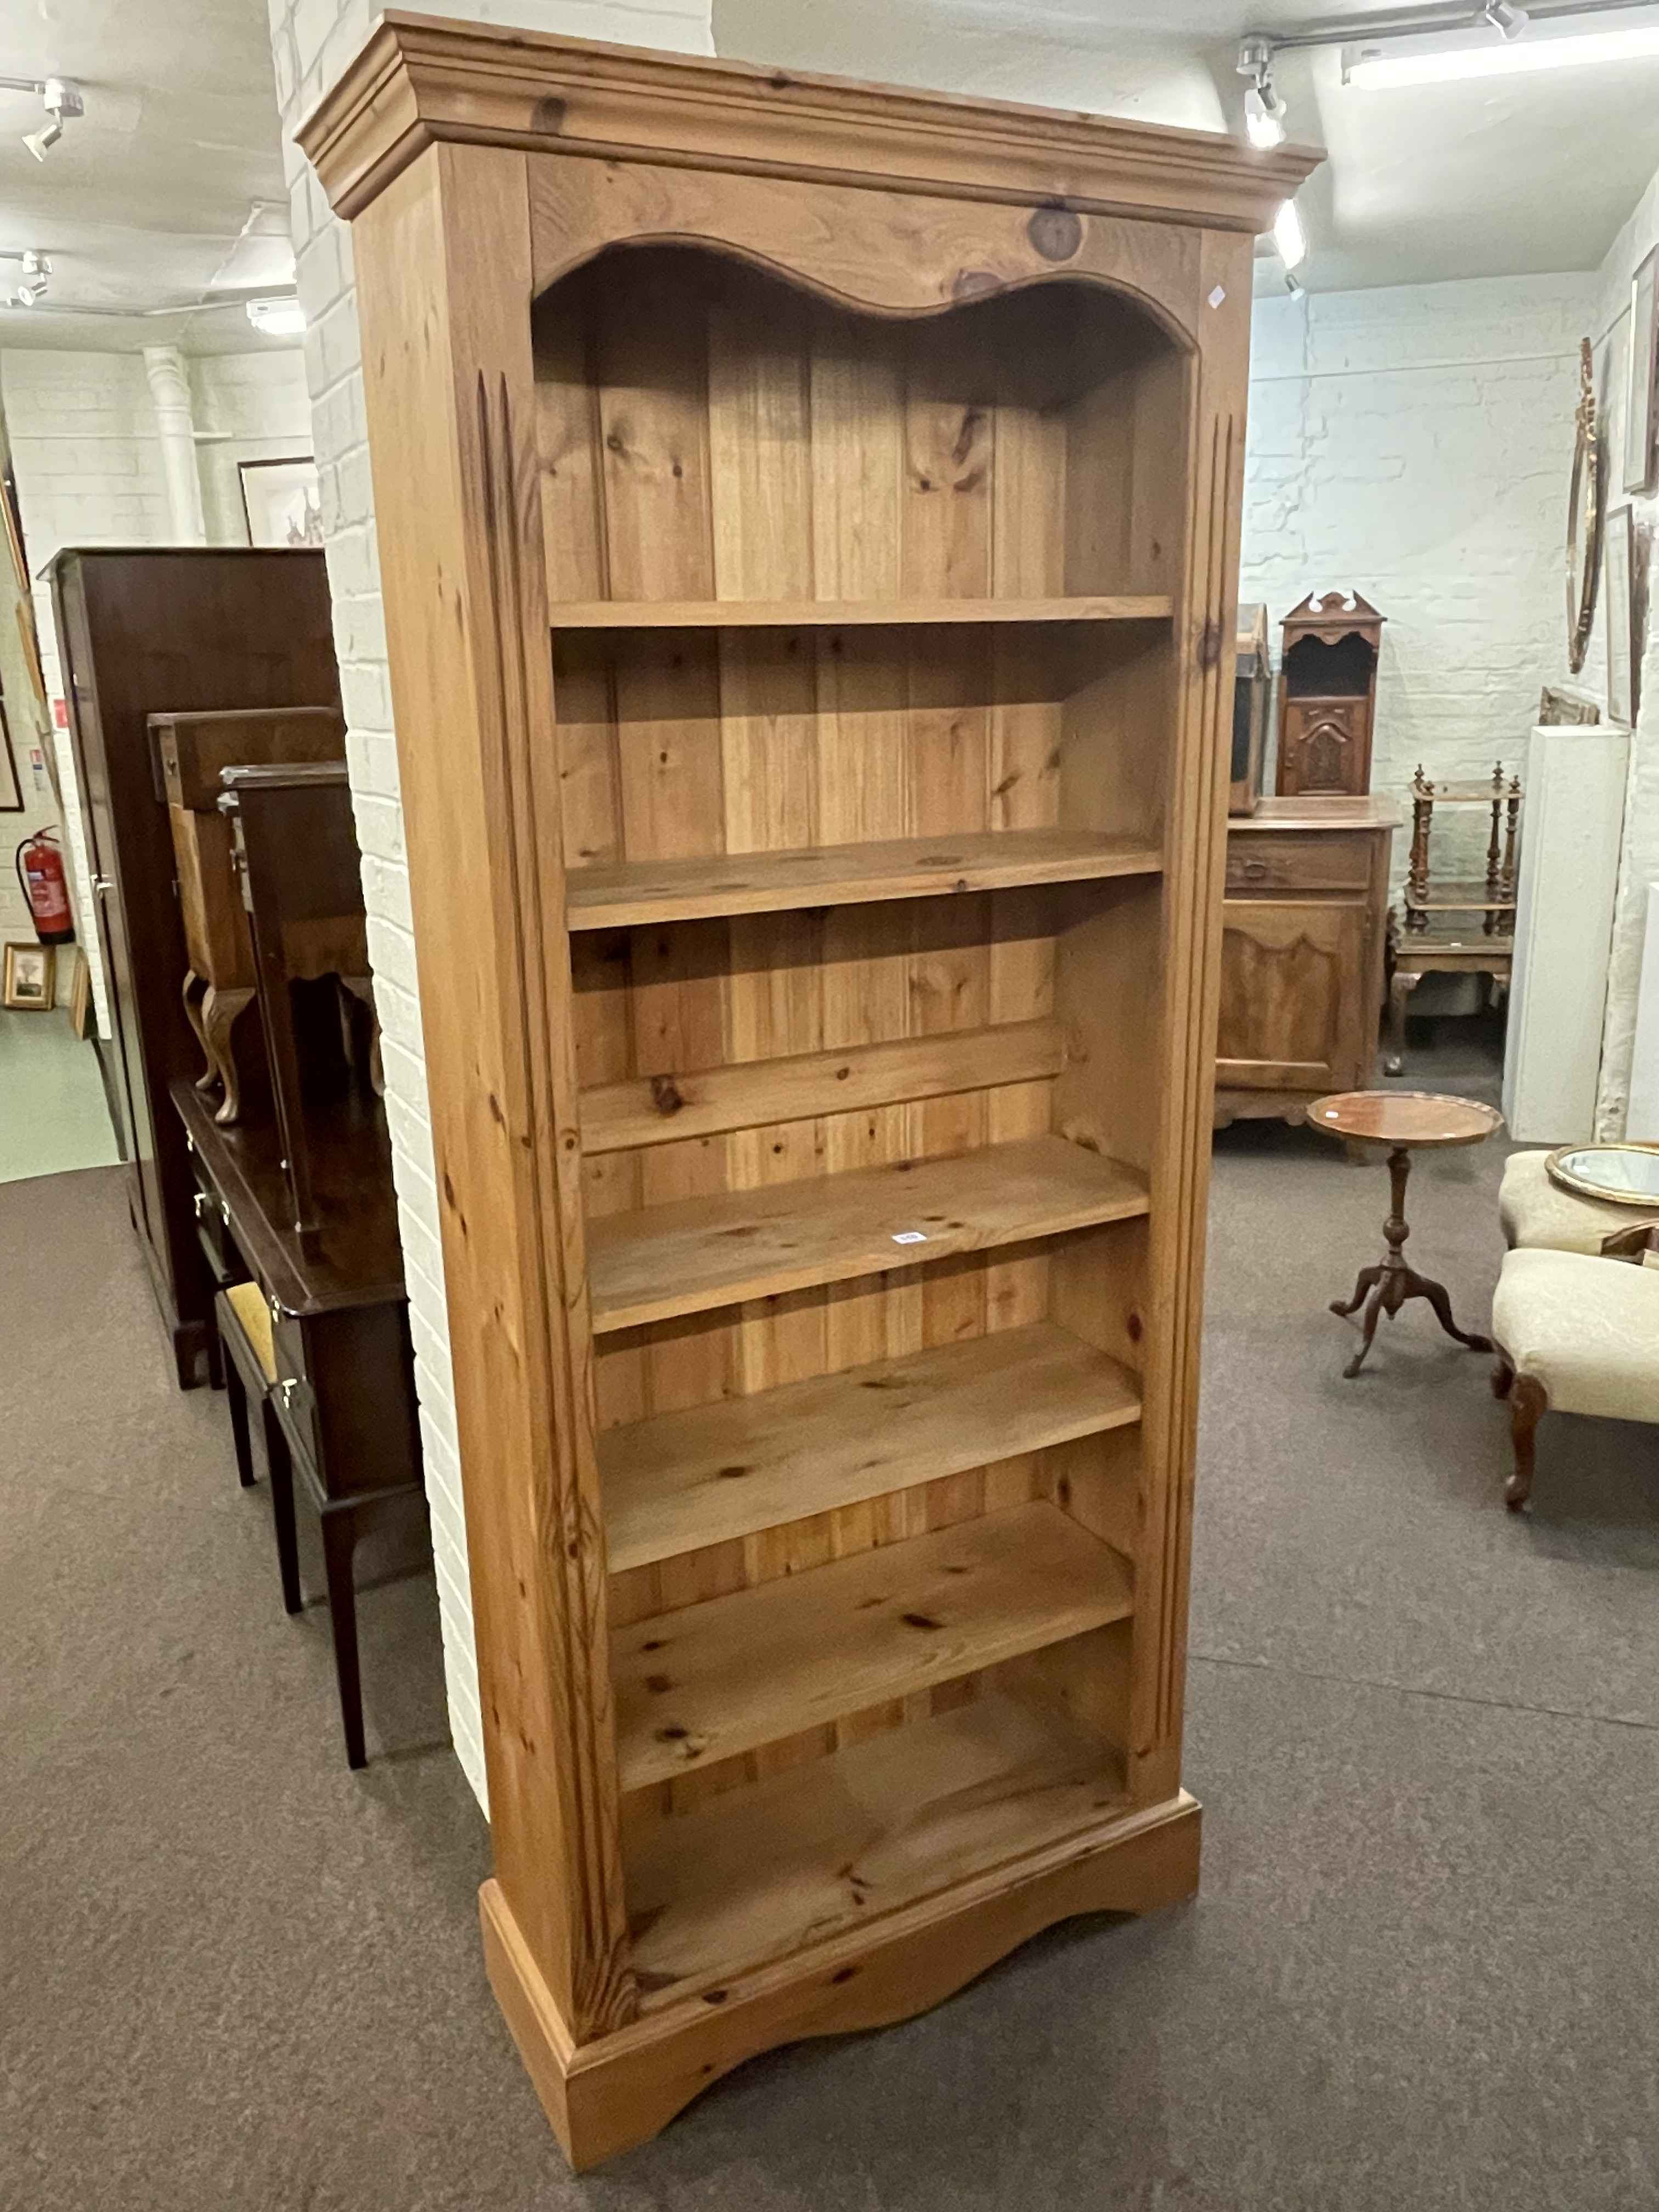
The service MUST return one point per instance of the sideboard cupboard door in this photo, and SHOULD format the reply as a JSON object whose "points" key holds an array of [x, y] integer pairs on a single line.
{"points": [[1292, 1012], [802, 628]]}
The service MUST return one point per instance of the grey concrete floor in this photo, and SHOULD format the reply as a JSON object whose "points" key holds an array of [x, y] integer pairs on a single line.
{"points": [[1421, 1971]]}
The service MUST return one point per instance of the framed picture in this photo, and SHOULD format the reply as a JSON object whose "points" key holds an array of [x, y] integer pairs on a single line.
{"points": [[1622, 618], [281, 500], [29, 982], [1561, 704], [1643, 373], [11, 791]]}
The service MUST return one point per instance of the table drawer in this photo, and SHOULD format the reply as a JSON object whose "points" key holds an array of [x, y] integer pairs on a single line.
{"points": [[213, 1233], [1308, 861]]}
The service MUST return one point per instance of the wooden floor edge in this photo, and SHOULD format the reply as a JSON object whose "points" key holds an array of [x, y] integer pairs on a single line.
{"points": [[611, 2095]]}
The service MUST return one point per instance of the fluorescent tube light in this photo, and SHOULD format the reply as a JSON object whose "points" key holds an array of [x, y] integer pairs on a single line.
{"points": [[1288, 238], [1411, 61]]}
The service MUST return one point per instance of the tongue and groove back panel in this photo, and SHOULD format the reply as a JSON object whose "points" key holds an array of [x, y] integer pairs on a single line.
{"points": [[707, 433]]}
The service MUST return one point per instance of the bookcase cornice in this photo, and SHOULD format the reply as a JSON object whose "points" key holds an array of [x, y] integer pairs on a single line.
{"points": [[422, 81]]}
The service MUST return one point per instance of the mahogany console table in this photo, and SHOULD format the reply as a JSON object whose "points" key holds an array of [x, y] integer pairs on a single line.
{"points": [[344, 1393]]}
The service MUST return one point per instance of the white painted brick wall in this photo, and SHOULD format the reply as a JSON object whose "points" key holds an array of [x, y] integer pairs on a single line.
{"points": [[88, 469], [247, 407], [312, 41], [1413, 442]]}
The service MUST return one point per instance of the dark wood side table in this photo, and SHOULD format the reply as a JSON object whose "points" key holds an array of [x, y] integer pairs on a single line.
{"points": [[1400, 1121], [344, 1395]]}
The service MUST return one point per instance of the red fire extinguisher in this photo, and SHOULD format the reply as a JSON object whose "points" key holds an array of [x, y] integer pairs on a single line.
{"points": [[40, 872]]}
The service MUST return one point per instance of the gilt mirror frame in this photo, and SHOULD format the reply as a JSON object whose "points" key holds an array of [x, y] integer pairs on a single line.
{"points": [[1583, 517]]}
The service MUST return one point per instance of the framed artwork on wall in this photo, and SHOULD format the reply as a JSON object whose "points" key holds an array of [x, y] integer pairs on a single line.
{"points": [[1642, 376], [281, 500], [28, 983], [1584, 516], [1622, 618]]}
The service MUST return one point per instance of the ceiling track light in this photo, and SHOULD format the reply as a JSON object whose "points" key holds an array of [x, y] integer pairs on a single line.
{"points": [[1264, 110], [1418, 44], [61, 98], [36, 267]]}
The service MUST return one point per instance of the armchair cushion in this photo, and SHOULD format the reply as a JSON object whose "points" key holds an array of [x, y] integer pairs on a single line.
{"points": [[1538, 1215], [1588, 1329]]}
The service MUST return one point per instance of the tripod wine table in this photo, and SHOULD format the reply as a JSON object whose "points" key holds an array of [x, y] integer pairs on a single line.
{"points": [[1400, 1121]]}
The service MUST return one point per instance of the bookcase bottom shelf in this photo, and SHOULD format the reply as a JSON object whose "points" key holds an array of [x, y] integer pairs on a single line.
{"points": [[605, 2095], [830, 1845]]}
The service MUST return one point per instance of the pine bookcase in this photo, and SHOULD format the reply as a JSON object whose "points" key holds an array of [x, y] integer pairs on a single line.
{"points": [[808, 524]]}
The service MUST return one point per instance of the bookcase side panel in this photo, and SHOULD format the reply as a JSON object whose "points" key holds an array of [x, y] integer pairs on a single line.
{"points": [[451, 409]]}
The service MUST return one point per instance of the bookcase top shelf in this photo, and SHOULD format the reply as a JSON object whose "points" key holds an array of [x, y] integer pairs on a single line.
{"points": [[616, 896], [843, 614], [697, 1253]]}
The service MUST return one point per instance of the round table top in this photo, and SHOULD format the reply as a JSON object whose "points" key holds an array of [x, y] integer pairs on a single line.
{"points": [[1403, 1117]]}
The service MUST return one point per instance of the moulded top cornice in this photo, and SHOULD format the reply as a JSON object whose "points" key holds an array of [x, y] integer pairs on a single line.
{"points": [[421, 80]]}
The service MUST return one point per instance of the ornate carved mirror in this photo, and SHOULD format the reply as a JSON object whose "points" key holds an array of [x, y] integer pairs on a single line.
{"points": [[1584, 518]]}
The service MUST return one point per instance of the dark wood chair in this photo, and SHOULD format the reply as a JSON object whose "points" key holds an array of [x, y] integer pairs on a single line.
{"points": [[295, 849]]}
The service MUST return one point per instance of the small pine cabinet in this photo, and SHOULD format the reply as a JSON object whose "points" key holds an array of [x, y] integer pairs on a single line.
{"points": [[808, 516]]}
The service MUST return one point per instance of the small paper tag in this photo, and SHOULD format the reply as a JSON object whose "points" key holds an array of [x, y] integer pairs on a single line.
{"points": [[1217, 295], [910, 1237]]}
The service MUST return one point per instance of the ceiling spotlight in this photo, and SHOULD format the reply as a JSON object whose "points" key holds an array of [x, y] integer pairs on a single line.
{"points": [[1288, 237], [61, 99], [1264, 110], [1507, 22], [36, 267], [276, 319]]}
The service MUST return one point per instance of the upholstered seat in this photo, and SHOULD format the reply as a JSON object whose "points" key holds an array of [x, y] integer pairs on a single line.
{"points": [[1577, 1335], [1538, 1215]]}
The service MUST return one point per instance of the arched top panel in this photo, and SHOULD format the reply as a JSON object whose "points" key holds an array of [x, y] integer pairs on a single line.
{"points": [[880, 253]]}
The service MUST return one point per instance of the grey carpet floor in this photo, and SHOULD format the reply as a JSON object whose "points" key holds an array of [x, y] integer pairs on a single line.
{"points": [[1422, 1971]]}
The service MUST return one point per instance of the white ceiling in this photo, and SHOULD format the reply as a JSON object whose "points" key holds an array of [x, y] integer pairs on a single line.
{"points": [[142, 201], [1501, 178]]}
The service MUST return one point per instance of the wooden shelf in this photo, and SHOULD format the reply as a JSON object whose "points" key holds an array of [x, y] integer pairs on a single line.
{"points": [[826, 1846], [700, 1252], [710, 1681], [683, 1480], [752, 1094], [843, 614], [1466, 895], [619, 896]]}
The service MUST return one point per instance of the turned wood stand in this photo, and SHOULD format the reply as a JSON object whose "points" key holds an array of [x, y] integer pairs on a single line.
{"points": [[1401, 1121]]}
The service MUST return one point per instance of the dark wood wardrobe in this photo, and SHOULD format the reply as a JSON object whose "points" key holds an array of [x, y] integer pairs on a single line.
{"points": [[155, 630]]}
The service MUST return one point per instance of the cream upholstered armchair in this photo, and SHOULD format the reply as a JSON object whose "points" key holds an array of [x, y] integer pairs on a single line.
{"points": [[1577, 1333], [1537, 1214]]}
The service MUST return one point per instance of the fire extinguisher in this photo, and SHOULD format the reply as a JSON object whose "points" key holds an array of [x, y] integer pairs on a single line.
{"points": [[40, 872]]}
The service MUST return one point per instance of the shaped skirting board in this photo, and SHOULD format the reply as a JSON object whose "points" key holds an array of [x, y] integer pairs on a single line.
{"points": [[1570, 834]]}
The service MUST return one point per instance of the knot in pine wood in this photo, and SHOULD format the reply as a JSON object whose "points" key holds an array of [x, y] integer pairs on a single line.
{"points": [[1056, 231]]}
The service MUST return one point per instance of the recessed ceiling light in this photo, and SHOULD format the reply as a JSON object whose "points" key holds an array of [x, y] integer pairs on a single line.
{"points": [[276, 319]]}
